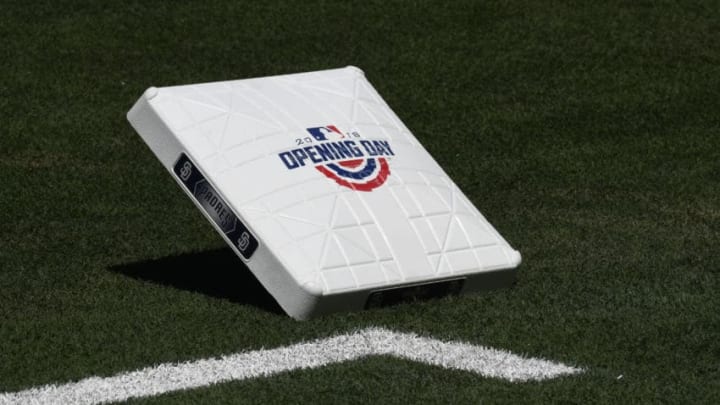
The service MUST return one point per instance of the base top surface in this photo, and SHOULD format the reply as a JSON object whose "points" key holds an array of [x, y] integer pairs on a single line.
{"points": [[323, 173]]}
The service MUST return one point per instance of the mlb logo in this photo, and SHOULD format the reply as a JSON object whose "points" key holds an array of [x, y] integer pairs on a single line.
{"points": [[321, 133]]}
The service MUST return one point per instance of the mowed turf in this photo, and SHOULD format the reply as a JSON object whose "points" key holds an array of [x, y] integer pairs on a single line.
{"points": [[588, 135]]}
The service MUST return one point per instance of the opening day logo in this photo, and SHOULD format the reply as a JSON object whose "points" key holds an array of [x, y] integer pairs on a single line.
{"points": [[346, 158]]}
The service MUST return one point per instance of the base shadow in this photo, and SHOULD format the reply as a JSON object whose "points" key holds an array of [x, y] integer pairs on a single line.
{"points": [[217, 273]]}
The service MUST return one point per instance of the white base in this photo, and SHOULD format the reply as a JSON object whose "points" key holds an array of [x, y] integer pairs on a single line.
{"points": [[341, 198]]}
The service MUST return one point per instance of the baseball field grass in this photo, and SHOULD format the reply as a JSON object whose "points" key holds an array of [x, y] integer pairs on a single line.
{"points": [[588, 135]]}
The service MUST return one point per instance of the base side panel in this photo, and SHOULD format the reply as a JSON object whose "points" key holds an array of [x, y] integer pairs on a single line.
{"points": [[358, 300], [298, 301]]}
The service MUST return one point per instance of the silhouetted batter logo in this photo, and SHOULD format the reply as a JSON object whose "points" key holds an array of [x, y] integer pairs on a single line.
{"points": [[346, 158]]}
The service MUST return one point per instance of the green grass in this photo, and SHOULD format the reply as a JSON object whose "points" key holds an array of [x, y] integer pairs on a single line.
{"points": [[588, 135]]}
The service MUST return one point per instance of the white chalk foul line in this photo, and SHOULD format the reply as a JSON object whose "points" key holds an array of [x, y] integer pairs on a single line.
{"points": [[170, 377]]}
